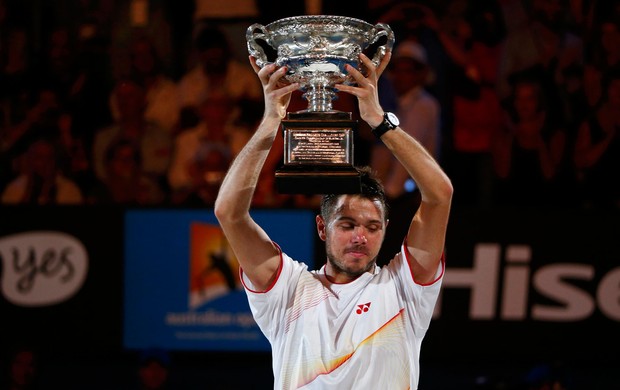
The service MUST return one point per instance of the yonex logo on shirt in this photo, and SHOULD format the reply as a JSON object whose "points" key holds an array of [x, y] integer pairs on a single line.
{"points": [[363, 308]]}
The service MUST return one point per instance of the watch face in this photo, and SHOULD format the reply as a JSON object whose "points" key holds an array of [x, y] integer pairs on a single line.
{"points": [[393, 119]]}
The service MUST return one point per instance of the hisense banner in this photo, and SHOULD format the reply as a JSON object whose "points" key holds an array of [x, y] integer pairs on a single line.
{"points": [[524, 284]]}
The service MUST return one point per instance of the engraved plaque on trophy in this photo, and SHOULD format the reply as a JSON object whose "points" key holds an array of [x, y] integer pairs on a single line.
{"points": [[318, 141]]}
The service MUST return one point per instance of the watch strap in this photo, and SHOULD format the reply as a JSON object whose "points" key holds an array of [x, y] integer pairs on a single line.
{"points": [[383, 127]]}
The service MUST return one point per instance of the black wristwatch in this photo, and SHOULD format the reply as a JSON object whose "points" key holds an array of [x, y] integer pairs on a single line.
{"points": [[390, 122]]}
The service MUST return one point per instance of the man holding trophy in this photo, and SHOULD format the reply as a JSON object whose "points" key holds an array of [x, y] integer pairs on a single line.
{"points": [[351, 324]]}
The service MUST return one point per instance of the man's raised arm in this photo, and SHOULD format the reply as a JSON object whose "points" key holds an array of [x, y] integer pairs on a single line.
{"points": [[257, 255], [427, 232]]}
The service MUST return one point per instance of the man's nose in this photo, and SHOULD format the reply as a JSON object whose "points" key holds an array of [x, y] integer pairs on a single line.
{"points": [[359, 236]]}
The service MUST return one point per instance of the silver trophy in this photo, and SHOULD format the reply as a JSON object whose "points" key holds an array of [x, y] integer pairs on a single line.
{"points": [[318, 141]]}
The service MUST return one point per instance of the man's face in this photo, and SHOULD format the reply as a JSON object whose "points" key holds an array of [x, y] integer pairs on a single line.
{"points": [[353, 236]]}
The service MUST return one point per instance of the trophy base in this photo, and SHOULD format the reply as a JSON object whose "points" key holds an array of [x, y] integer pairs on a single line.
{"points": [[318, 180], [318, 154]]}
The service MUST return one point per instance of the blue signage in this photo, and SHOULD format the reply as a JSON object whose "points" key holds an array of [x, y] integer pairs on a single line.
{"points": [[182, 288]]}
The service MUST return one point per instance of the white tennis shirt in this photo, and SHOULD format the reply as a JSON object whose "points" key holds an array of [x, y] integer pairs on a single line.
{"points": [[365, 334]]}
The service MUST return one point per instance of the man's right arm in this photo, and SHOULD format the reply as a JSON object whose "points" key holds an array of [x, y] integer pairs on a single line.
{"points": [[257, 255]]}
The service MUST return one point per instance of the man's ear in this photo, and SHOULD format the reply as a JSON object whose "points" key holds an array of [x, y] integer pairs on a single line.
{"points": [[320, 227]]}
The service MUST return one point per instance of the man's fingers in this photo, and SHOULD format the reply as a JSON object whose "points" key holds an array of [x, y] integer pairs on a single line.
{"points": [[348, 89], [265, 72], [276, 76], [368, 64], [253, 63], [356, 74], [270, 74], [288, 89], [376, 69]]}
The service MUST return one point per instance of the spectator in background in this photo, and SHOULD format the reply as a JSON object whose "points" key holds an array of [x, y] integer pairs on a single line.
{"points": [[544, 42], [147, 70], [39, 118], [602, 54], [473, 46], [155, 143], [48, 119], [206, 170], [217, 72], [15, 56], [604, 50], [133, 18], [41, 108], [58, 66], [69, 68], [418, 111], [74, 153], [597, 149], [124, 183], [41, 181], [418, 22], [528, 150], [201, 154]]}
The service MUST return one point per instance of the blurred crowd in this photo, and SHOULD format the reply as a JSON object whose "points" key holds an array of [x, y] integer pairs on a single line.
{"points": [[146, 103]]}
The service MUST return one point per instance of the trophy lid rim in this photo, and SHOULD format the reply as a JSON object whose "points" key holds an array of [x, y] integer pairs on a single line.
{"points": [[316, 17]]}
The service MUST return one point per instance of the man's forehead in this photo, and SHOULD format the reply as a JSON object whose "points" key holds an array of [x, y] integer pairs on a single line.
{"points": [[351, 205]]}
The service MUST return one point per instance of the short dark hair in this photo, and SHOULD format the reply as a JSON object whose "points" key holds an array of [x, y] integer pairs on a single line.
{"points": [[371, 188]]}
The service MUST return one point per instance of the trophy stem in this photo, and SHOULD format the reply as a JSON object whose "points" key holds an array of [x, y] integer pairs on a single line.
{"points": [[319, 98]]}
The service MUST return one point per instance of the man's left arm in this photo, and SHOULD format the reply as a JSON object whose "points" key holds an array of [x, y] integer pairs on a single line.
{"points": [[427, 231]]}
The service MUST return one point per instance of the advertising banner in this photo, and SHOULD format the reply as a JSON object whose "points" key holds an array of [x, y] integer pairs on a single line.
{"points": [[82, 280], [61, 279], [522, 285], [182, 285]]}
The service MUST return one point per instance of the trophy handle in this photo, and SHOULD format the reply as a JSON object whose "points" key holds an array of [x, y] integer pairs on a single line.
{"points": [[382, 30], [254, 48]]}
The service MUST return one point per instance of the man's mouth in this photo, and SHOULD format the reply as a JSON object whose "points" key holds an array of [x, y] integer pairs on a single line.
{"points": [[357, 251]]}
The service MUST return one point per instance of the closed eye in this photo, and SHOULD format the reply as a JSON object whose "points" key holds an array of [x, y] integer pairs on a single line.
{"points": [[373, 228]]}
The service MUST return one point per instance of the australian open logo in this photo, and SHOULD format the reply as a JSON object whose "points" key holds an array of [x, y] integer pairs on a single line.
{"points": [[42, 268], [213, 268]]}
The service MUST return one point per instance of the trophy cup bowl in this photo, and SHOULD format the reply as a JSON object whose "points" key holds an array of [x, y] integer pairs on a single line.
{"points": [[315, 50], [318, 141]]}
